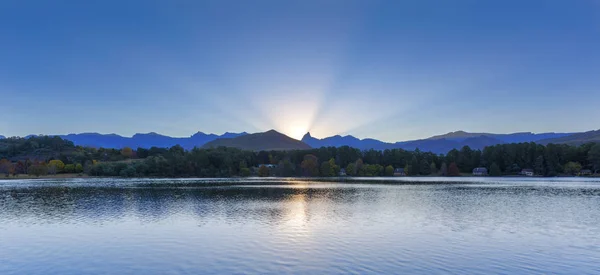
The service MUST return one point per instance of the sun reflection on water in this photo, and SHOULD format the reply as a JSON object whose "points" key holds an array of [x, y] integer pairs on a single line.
{"points": [[295, 220]]}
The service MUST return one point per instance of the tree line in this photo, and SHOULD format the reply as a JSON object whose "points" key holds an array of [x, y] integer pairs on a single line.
{"points": [[49, 155]]}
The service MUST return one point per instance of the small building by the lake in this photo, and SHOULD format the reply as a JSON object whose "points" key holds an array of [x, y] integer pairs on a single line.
{"points": [[342, 172], [585, 172], [399, 172], [272, 167], [480, 171], [527, 172]]}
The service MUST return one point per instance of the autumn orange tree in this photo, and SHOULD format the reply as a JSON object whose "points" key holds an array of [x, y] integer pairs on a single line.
{"points": [[453, 170], [127, 152], [5, 167], [263, 171]]}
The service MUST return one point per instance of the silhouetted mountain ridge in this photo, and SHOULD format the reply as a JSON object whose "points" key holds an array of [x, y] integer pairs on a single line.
{"points": [[507, 138], [144, 140], [269, 140], [575, 139], [337, 141], [437, 144], [275, 140]]}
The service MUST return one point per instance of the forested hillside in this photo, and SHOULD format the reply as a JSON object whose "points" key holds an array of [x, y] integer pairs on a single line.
{"points": [[55, 155], [505, 159]]}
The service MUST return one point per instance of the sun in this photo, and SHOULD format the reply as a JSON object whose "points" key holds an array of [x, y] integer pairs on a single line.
{"points": [[296, 131]]}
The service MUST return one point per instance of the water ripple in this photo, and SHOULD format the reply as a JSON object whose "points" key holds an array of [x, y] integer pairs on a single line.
{"points": [[217, 226]]}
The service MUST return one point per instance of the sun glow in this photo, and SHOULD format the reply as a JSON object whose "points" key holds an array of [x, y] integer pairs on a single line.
{"points": [[297, 131], [293, 114]]}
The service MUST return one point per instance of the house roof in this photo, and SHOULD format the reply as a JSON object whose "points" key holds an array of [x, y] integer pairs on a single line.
{"points": [[480, 169]]}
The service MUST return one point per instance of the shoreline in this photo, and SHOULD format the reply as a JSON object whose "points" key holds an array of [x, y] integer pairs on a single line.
{"points": [[378, 179], [57, 176]]}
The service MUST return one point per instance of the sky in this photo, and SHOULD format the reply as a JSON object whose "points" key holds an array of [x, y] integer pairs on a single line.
{"points": [[392, 70]]}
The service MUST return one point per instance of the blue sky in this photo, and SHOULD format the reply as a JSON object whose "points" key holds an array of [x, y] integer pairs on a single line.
{"points": [[392, 70]]}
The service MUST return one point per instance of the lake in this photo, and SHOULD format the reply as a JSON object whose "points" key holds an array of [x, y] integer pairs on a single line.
{"points": [[274, 226]]}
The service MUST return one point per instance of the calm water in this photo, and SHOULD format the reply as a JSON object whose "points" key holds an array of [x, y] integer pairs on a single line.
{"points": [[483, 226]]}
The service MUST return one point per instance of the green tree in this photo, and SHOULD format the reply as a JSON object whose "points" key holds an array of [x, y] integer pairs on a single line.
{"points": [[594, 157], [415, 166], [358, 167], [245, 172], [128, 172], [263, 171], [351, 169], [286, 168], [452, 156], [444, 169], [433, 169], [572, 168], [69, 168], [408, 170], [552, 157], [78, 168], [334, 167], [389, 171], [141, 153], [465, 158], [56, 166], [310, 166], [495, 170], [540, 167], [38, 169], [425, 167], [326, 169]]}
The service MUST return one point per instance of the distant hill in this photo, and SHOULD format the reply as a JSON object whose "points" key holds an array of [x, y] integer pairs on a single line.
{"points": [[437, 144], [144, 140], [443, 145], [457, 135], [575, 139], [1, 137], [270, 140], [506, 138], [337, 141]]}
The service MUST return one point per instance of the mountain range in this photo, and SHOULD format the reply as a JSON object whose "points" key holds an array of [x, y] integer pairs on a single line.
{"points": [[273, 140], [144, 140], [436, 144]]}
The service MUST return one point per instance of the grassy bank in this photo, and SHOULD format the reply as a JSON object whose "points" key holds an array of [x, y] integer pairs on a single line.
{"points": [[342, 179], [57, 176]]}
